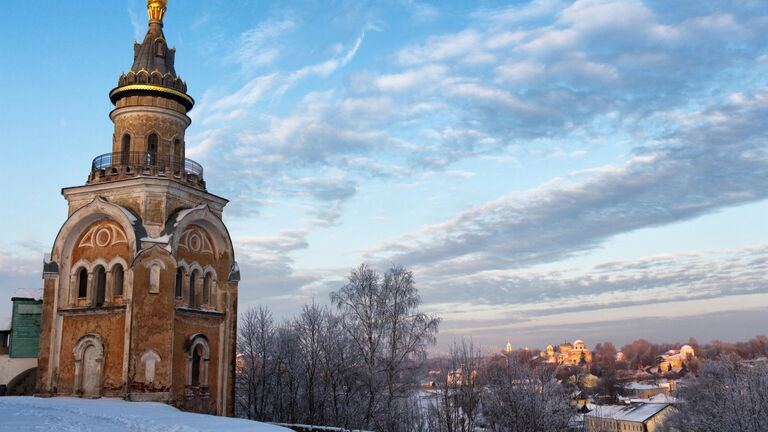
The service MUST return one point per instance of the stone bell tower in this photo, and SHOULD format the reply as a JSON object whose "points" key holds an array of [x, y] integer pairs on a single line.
{"points": [[140, 289]]}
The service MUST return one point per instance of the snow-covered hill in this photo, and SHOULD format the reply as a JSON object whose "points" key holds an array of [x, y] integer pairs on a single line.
{"points": [[24, 414]]}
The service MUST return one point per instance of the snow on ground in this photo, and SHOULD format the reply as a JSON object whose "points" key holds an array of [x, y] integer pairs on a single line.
{"points": [[26, 414]]}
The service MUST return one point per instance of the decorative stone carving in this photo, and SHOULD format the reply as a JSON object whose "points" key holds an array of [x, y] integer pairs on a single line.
{"points": [[102, 235], [149, 359], [195, 240]]}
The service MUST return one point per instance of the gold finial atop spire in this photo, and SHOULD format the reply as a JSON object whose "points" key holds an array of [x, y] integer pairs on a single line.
{"points": [[156, 10]]}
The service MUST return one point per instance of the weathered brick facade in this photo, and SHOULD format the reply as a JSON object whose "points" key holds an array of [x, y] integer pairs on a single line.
{"points": [[140, 291]]}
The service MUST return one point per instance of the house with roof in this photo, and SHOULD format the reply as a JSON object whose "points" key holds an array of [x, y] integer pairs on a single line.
{"points": [[19, 342], [643, 417], [645, 391]]}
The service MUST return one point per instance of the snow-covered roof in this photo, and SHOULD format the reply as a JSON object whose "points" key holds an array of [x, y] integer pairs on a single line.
{"points": [[638, 386], [28, 293], [634, 413], [68, 414]]}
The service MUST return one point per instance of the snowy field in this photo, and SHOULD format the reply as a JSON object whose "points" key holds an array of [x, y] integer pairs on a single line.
{"points": [[26, 414]]}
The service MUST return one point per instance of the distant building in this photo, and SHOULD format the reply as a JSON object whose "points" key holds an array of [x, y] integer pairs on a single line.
{"points": [[675, 359], [19, 341], [645, 391], [644, 417], [508, 348], [568, 354]]}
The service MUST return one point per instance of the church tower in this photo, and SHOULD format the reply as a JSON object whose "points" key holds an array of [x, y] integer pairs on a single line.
{"points": [[140, 289]]}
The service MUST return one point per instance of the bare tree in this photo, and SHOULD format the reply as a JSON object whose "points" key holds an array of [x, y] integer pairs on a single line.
{"points": [[351, 369], [389, 334], [253, 345], [521, 398], [456, 407]]}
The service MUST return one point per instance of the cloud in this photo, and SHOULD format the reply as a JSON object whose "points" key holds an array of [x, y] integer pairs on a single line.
{"points": [[258, 46], [669, 182], [673, 94]]}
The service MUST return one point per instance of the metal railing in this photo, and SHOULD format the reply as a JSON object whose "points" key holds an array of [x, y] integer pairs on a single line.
{"points": [[138, 160]]}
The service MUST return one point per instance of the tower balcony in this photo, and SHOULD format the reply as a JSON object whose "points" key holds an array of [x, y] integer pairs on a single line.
{"points": [[120, 166]]}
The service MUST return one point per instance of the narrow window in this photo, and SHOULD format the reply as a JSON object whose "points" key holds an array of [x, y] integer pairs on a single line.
{"points": [[207, 289], [117, 281], [152, 149], [196, 358], [82, 283], [192, 283], [177, 149], [125, 152], [101, 285], [179, 279]]}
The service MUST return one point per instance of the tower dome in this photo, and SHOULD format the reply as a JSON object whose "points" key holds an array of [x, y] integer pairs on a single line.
{"points": [[150, 115], [153, 72]]}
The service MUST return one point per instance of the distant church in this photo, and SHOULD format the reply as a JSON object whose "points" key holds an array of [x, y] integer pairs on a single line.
{"points": [[140, 290]]}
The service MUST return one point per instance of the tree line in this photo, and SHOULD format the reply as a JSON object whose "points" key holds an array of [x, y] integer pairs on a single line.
{"points": [[358, 364], [351, 365]]}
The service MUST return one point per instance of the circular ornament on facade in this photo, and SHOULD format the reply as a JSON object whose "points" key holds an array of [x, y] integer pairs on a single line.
{"points": [[195, 242], [103, 237]]}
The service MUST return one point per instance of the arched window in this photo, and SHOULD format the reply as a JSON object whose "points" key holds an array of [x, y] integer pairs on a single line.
{"points": [[197, 358], [179, 279], [178, 160], [117, 280], [197, 367], [192, 284], [125, 150], [207, 289], [100, 277], [82, 283], [152, 142], [159, 49]]}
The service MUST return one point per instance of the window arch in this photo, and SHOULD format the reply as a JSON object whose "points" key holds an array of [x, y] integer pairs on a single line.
{"points": [[207, 282], [197, 358], [159, 48], [152, 143], [118, 276], [100, 279], [192, 285], [125, 150], [177, 151], [179, 282], [82, 283], [197, 361]]}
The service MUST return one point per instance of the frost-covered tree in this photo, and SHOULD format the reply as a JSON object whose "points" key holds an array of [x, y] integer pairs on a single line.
{"points": [[390, 335], [254, 345], [728, 395], [520, 398], [456, 405], [351, 368]]}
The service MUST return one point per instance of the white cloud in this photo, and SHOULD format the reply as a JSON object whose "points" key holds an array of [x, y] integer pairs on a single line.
{"points": [[258, 46]]}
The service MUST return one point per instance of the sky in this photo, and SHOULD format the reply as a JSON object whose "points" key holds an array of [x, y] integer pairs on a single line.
{"points": [[550, 170]]}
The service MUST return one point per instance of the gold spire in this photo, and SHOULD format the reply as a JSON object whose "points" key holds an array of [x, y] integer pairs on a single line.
{"points": [[156, 10]]}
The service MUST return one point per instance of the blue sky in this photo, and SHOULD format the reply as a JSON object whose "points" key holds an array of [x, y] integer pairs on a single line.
{"points": [[550, 170]]}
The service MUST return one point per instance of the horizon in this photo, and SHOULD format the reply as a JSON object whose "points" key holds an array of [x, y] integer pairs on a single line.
{"points": [[549, 170]]}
